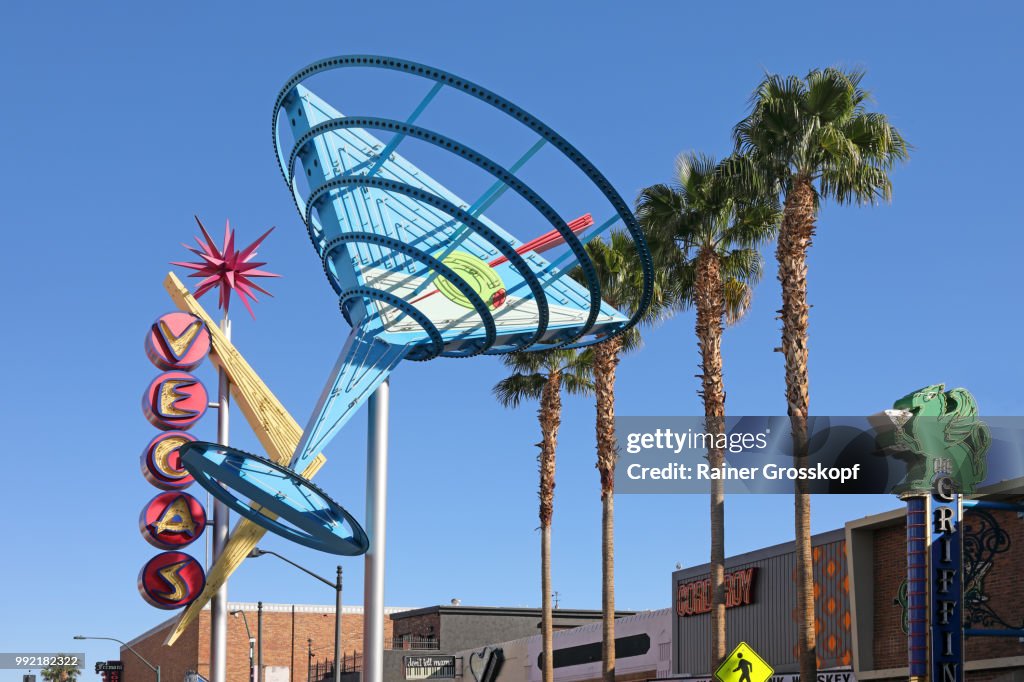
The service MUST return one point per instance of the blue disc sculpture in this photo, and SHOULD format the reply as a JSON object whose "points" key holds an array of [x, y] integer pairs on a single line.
{"points": [[419, 274]]}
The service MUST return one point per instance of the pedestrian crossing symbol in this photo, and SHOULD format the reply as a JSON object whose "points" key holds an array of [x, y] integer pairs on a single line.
{"points": [[744, 665]]}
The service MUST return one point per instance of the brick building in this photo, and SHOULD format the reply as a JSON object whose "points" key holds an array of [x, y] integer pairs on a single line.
{"points": [[860, 599], [860, 604], [760, 607], [287, 631], [993, 594], [290, 631]]}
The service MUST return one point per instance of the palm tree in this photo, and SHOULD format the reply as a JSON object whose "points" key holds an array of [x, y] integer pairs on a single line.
{"points": [[542, 376], [718, 227], [621, 278], [62, 672], [812, 138]]}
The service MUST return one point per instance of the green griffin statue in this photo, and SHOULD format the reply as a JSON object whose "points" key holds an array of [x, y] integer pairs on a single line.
{"points": [[938, 433]]}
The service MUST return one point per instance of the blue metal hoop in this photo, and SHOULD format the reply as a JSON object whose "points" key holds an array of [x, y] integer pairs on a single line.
{"points": [[461, 284], [318, 530], [454, 211], [421, 352], [494, 169], [493, 99]]}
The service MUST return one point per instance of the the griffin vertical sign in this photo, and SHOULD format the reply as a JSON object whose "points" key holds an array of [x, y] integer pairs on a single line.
{"points": [[947, 584], [938, 433]]}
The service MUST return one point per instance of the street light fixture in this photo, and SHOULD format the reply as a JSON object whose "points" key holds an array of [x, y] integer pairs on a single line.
{"points": [[154, 668], [257, 552], [252, 641]]}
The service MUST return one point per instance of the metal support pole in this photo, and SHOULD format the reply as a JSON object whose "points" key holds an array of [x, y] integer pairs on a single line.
{"points": [[221, 522], [259, 641], [376, 516], [337, 627]]}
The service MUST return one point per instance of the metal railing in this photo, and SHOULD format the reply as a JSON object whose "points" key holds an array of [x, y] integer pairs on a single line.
{"points": [[323, 671], [412, 643]]}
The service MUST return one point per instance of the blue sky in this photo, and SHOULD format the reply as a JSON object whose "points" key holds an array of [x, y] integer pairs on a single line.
{"points": [[123, 120]]}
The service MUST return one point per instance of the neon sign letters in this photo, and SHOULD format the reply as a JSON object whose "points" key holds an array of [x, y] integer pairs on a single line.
{"points": [[694, 597], [161, 461], [172, 520], [171, 580], [173, 402]]}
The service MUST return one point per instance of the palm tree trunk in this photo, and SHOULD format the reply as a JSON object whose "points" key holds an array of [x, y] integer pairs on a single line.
{"points": [[795, 237], [550, 414], [606, 358], [710, 305], [608, 586], [546, 626]]}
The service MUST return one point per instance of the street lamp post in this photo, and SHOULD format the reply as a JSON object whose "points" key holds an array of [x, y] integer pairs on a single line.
{"points": [[154, 668], [259, 642], [337, 626], [252, 641], [257, 552]]}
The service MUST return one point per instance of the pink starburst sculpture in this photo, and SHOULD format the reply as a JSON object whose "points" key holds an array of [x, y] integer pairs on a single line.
{"points": [[227, 268]]}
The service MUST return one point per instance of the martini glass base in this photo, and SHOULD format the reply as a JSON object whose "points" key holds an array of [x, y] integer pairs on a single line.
{"points": [[274, 497]]}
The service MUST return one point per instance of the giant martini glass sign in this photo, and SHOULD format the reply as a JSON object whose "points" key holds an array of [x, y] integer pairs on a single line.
{"points": [[419, 274]]}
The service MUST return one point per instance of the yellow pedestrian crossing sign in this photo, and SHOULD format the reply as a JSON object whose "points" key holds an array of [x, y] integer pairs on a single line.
{"points": [[744, 665]]}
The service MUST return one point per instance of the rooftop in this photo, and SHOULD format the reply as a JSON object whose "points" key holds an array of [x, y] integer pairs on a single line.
{"points": [[451, 609]]}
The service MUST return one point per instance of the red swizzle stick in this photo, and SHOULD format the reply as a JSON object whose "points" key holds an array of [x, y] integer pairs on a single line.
{"points": [[546, 241]]}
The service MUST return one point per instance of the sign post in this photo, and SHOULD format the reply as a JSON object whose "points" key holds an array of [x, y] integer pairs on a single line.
{"points": [[221, 525], [227, 269], [376, 520]]}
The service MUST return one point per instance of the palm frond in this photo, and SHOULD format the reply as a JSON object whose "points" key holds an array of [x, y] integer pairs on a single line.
{"points": [[523, 363], [738, 296], [830, 96], [531, 370], [743, 265], [630, 341], [518, 388], [818, 128], [574, 384]]}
